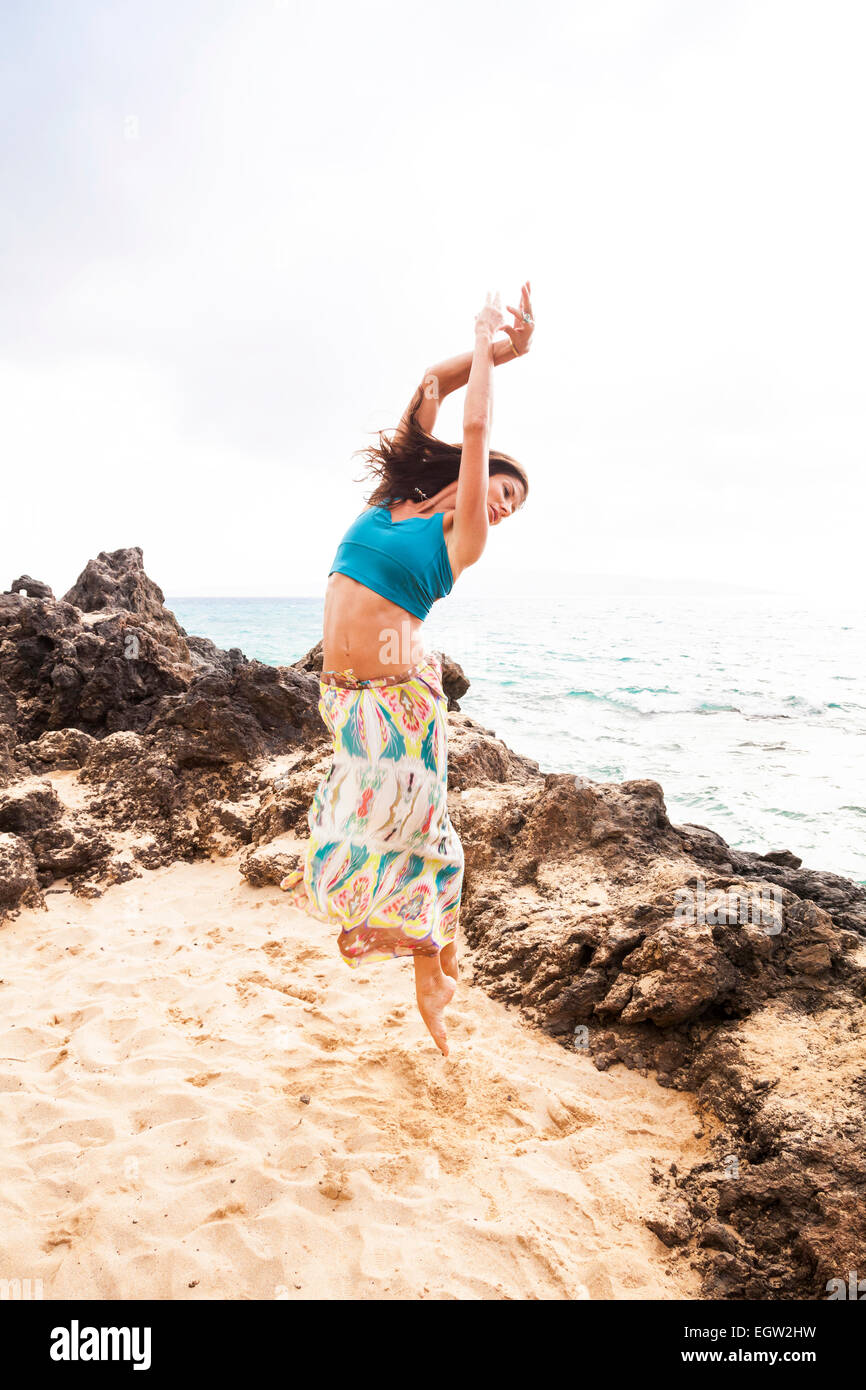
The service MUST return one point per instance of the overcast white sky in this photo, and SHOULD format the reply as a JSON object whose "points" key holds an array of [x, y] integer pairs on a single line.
{"points": [[234, 232]]}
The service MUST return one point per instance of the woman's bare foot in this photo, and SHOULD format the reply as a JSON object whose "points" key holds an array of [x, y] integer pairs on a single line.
{"points": [[448, 960], [294, 883], [434, 992]]}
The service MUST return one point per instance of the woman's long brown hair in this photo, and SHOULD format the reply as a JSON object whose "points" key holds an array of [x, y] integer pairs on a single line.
{"points": [[410, 458]]}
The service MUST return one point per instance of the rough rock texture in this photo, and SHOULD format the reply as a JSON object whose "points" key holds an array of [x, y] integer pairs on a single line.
{"points": [[96, 673], [126, 744], [19, 884], [34, 588], [116, 581], [830, 891], [238, 717], [268, 864], [206, 655], [165, 730], [786, 1191], [62, 845], [61, 749]]}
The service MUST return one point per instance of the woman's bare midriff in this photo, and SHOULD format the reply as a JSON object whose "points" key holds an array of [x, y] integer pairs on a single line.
{"points": [[366, 633]]}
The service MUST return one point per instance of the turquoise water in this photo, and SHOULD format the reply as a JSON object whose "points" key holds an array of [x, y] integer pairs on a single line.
{"points": [[750, 711]]}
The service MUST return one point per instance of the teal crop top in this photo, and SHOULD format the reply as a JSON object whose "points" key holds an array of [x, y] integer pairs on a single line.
{"points": [[404, 561]]}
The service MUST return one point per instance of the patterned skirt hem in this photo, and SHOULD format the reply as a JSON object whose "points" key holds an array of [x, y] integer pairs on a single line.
{"points": [[363, 945]]}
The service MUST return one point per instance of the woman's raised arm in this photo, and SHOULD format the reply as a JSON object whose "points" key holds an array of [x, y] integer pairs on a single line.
{"points": [[439, 381], [470, 516]]}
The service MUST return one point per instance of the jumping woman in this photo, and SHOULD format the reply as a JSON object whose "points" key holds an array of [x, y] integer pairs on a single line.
{"points": [[384, 861]]}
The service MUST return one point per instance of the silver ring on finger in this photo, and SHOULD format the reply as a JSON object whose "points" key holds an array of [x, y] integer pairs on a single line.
{"points": [[528, 319]]}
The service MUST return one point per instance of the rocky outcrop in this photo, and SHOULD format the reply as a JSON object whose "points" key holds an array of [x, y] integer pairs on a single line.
{"points": [[34, 588], [110, 657], [312, 660], [846, 900], [477, 757], [164, 730], [240, 716], [207, 656], [268, 865], [63, 844], [116, 582], [19, 884], [60, 749], [96, 673]]}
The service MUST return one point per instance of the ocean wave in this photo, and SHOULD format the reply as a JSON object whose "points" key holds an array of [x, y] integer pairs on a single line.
{"points": [[666, 704]]}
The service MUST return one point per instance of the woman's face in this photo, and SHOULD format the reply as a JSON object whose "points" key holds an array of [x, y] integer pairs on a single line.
{"points": [[504, 495]]}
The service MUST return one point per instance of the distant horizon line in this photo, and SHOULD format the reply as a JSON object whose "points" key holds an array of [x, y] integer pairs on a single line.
{"points": [[537, 580], [596, 585]]}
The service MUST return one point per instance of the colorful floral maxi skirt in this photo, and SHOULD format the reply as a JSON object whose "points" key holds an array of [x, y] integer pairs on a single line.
{"points": [[383, 862]]}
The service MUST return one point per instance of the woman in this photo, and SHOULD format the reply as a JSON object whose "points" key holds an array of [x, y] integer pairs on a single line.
{"points": [[384, 861]]}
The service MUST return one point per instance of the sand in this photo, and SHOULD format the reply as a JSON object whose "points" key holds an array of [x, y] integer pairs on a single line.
{"points": [[200, 1100]]}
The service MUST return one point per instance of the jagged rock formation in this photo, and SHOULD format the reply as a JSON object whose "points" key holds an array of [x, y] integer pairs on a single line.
{"points": [[116, 582], [34, 588], [125, 744]]}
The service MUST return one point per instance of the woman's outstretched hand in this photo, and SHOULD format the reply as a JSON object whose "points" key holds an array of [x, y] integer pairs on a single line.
{"points": [[491, 317], [524, 324]]}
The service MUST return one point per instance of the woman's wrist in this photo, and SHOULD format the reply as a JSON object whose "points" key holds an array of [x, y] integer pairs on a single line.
{"points": [[484, 343], [504, 351]]}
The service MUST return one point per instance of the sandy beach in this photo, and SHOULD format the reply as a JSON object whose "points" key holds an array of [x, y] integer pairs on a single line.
{"points": [[202, 1101]]}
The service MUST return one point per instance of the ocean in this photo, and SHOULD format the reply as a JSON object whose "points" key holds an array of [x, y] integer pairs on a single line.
{"points": [[750, 710]]}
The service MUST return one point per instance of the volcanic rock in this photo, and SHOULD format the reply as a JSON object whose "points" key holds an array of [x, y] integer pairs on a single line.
{"points": [[19, 884], [268, 864], [34, 588], [116, 581]]}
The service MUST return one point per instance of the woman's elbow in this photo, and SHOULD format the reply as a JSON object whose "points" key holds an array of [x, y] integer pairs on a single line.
{"points": [[470, 553], [475, 426]]}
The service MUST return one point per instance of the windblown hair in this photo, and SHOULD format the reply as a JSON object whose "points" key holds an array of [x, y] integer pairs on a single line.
{"points": [[410, 458]]}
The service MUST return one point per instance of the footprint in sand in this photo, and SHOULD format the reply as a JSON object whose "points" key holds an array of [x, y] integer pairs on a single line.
{"points": [[223, 1213], [65, 1234], [567, 1115]]}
